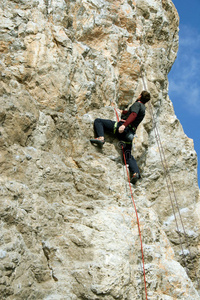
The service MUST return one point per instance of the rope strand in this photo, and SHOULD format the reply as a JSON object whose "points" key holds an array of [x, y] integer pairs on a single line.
{"points": [[172, 191], [165, 165], [138, 223]]}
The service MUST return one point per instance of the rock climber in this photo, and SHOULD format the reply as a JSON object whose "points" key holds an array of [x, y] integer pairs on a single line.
{"points": [[124, 130]]}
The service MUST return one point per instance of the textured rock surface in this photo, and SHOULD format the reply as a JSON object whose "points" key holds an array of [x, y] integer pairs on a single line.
{"points": [[68, 226]]}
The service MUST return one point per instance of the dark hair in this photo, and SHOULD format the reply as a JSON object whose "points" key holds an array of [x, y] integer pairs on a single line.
{"points": [[145, 97]]}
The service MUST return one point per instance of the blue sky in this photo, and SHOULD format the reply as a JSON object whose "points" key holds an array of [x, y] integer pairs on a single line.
{"points": [[184, 77]]}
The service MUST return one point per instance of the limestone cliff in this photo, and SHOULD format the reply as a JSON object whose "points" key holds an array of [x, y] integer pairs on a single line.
{"points": [[68, 225]]}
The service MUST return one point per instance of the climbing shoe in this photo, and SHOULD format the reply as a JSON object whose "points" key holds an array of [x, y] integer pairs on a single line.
{"points": [[97, 142], [135, 178]]}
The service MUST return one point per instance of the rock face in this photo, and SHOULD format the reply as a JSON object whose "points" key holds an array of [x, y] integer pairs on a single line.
{"points": [[68, 224]]}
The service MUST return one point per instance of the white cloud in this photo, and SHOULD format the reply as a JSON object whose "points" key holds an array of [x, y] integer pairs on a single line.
{"points": [[189, 37], [184, 80]]}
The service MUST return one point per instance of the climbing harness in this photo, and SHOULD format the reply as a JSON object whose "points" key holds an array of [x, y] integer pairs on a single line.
{"points": [[129, 135], [138, 223]]}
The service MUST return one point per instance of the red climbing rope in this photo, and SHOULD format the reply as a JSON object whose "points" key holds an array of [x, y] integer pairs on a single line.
{"points": [[138, 223]]}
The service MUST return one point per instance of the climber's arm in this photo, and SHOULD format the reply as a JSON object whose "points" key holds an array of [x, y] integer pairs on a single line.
{"points": [[130, 119]]}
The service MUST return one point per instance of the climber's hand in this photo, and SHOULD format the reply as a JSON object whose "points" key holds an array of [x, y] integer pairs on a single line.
{"points": [[119, 110], [121, 128]]}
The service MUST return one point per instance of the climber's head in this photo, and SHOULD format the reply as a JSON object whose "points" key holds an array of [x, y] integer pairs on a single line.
{"points": [[144, 97]]}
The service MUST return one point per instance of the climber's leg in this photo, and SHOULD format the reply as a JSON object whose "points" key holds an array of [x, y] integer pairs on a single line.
{"points": [[101, 126], [131, 162]]}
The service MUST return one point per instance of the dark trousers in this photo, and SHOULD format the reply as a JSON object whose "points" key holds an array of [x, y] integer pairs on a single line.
{"points": [[108, 126]]}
